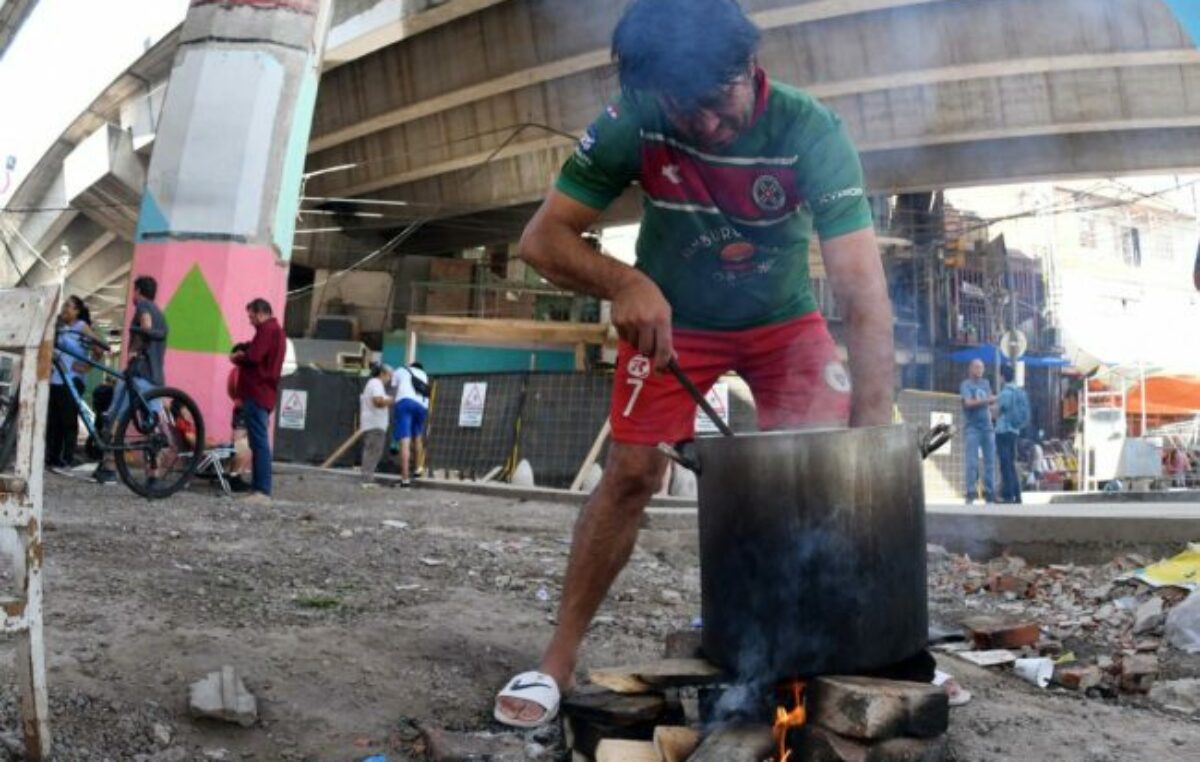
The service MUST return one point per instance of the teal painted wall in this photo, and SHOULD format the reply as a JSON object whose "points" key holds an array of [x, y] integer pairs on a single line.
{"points": [[445, 359]]}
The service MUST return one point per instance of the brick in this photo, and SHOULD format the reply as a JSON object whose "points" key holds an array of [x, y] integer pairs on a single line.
{"points": [[822, 745], [444, 746], [1078, 678], [871, 709], [992, 633], [1138, 672], [998, 582]]}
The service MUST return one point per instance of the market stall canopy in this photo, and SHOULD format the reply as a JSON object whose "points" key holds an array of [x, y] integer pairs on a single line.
{"points": [[1166, 395]]}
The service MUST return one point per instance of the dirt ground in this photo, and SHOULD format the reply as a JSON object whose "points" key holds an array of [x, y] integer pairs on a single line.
{"points": [[351, 632]]}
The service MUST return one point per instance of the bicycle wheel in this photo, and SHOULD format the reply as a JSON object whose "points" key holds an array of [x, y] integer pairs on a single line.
{"points": [[159, 444]]}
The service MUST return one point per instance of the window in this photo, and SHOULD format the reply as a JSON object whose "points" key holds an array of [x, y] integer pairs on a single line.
{"points": [[1131, 246], [1087, 231]]}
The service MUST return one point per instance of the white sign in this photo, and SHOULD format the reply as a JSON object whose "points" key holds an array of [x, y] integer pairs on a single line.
{"points": [[718, 397], [293, 409], [1014, 344], [470, 412], [936, 419]]}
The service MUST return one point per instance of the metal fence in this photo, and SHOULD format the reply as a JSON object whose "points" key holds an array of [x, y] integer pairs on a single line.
{"points": [[944, 469]]}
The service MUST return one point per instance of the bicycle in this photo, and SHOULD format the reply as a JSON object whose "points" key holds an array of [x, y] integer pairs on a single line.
{"points": [[160, 431]]}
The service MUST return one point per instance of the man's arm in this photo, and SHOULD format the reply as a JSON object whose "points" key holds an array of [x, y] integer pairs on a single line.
{"points": [[856, 275], [553, 245]]}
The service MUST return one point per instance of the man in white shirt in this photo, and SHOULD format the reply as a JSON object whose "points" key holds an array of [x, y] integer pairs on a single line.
{"points": [[373, 407], [411, 389]]}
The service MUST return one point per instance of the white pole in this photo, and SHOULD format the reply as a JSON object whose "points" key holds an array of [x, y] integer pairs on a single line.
{"points": [[1142, 372]]}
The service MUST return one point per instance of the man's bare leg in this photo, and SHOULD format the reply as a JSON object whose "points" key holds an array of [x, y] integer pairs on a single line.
{"points": [[405, 451], [604, 537]]}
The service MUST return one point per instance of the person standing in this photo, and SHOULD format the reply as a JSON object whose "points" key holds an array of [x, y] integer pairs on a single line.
{"points": [[260, 366], [1012, 416], [373, 406], [147, 344], [980, 436], [62, 424], [411, 390]]}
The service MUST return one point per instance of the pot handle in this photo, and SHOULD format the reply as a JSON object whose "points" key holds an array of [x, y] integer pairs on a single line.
{"points": [[684, 455], [933, 439]]}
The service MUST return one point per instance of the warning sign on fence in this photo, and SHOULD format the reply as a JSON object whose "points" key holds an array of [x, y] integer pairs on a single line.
{"points": [[293, 409], [470, 412], [718, 397], [936, 419]]}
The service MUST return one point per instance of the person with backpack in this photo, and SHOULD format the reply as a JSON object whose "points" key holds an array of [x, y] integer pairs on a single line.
{"points": [[1012, 416], [410, 385]]}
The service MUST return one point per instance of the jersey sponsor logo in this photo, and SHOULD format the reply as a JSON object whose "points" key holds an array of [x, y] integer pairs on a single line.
{"points": [[829, 198], [836, 377], [737, 255], [639, 366], [671, 172], [769, 194]]}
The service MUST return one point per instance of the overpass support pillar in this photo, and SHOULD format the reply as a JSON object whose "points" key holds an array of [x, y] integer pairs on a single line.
{"points": [[218, 215]]}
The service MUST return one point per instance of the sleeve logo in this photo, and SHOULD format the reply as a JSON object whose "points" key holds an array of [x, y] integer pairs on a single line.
{"points": [[588, 141]]}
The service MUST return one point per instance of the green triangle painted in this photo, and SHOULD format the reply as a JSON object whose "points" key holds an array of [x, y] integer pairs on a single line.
{"points": [[194, 318]]}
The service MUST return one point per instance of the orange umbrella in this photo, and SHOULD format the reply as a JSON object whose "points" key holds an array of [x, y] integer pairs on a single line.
{"points": [[1166, 395]]}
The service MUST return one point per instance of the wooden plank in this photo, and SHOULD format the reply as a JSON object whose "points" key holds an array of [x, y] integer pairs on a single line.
{"points": [[642, 678], [675, 744], [342, 449], [405, 28], [613, 750], [736, 743], [592, 455]]}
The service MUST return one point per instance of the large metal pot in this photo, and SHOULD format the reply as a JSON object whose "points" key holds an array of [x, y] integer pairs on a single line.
{"points": [[812, 550]]}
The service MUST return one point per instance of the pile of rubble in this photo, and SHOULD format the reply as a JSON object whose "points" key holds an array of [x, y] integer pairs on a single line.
{"points": [[1102, 627]]}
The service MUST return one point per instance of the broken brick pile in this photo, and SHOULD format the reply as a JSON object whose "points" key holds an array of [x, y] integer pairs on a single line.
{"points": [[1105, 633]]}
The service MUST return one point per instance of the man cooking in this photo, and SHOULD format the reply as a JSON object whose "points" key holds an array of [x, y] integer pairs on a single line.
{"points": [[738, 172]]}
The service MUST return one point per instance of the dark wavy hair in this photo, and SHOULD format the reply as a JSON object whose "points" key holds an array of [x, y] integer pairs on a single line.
{"points": [[684, 49], [85, 314]]}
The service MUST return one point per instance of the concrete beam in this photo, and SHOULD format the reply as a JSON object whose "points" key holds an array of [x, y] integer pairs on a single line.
{"points": [[386, 24], [94, 248], [576, 64], [1029, 159]]}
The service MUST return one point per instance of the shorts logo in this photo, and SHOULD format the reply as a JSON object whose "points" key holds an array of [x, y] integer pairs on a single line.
{"points": [[836, 377], [769, 194], [588, 141], [639, 366]]}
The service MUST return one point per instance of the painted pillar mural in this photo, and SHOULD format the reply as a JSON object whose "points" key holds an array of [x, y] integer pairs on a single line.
{"points": [[223, 189]]}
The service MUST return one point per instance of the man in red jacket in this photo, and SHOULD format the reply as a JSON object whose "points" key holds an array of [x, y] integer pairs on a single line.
{"points": [[260, 366]]}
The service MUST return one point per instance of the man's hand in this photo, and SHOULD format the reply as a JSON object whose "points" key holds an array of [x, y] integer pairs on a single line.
{"points": [[642, 317], [238, 356]]}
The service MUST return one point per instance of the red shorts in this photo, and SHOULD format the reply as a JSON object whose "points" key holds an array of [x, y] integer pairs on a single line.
{"points": [[792, 369]]}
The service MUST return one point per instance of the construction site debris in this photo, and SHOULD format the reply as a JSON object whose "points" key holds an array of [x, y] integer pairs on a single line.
{"points": [[222, 695]]}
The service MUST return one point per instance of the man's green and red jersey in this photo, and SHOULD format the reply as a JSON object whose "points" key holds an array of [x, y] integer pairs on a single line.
{"points": [[725, 234]]}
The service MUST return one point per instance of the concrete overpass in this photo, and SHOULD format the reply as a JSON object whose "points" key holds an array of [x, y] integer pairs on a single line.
{"points": [[456, 114]]}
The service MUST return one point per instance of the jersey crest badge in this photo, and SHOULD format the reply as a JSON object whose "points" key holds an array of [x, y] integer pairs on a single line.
{"points": [[769, 194]]}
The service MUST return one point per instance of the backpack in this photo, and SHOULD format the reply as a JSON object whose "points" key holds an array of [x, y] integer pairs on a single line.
{"points": [[1018, 411], [419, 385]]}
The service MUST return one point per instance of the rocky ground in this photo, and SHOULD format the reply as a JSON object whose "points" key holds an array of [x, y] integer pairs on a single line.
{"points": [[356, 616]]}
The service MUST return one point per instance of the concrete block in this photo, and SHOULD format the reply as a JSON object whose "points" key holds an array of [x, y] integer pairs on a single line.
{"points": [[223, 696], [872, 709]]}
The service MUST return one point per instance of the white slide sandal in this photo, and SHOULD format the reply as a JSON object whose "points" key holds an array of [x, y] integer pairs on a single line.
{"points": [[535, 687]]}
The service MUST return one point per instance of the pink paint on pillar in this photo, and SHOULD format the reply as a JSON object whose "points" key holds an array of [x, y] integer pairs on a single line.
{"points": [[203, 289]]}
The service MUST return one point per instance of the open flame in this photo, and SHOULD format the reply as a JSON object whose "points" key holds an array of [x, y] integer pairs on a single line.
{"points": [[786, 719]]}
